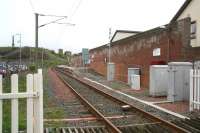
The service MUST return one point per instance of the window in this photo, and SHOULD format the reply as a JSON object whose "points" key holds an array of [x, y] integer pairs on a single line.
{"points": [[193, 29], [156, 52]]}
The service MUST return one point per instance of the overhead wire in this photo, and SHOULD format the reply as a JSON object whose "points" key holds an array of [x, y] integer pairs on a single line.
{"points": [[50, 15], [61, 31], [32, 6], [69, 17], [75, 9]]}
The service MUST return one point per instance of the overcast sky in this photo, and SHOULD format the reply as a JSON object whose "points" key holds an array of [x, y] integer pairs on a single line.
{"points": [[92, 19]]}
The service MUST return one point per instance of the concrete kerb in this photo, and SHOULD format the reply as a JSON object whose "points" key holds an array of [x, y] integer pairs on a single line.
{"points": [[139, 100]]}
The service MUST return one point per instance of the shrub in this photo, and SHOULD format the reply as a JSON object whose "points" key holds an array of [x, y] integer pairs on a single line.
{"points": [[32, 68]]}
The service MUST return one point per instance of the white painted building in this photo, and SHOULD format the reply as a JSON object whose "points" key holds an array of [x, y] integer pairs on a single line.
{"points": [[121, 34], [191, 8]]}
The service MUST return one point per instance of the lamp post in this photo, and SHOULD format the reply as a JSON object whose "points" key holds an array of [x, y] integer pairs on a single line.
{"points": [[109, 45], [110, 66]]}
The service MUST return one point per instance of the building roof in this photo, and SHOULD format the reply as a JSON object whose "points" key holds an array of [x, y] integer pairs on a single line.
{"points": [[180, 11], [133, 36], [123, 31]]}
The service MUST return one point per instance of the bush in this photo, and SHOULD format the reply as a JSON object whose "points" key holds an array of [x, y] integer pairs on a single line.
{"points": [[32, 68]]}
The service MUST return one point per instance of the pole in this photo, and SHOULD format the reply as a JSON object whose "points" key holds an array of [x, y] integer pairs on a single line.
{"points": [[109, 45], [36, 30], [20, 48], [109, 54], [20, 55], [13, 41], [36, 38], [30, 55], [42, 56]]}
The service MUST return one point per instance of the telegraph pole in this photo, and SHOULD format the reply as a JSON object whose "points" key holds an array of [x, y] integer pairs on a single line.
{"points": [[36, 38]]}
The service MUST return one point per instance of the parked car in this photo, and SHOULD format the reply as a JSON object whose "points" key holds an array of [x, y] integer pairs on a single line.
{"points": [[2, 71], [13, 70]]}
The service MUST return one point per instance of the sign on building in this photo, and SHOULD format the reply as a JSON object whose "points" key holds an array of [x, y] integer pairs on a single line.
{"points": [[156, 52], [85, 56]]}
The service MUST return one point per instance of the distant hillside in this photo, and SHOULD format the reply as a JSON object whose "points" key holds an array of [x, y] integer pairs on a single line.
{"points": [[28, 55], [5, 50]]}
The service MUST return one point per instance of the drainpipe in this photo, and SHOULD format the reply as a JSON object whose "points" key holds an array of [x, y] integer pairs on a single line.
{"points": [[169, 43]]}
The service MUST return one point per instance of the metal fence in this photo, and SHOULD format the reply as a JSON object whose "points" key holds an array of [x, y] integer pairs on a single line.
{"points": [[34, 97], [194, 89]]}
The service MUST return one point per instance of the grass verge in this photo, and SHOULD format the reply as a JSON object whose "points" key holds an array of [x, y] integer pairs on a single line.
{"points": [[7, 104]]}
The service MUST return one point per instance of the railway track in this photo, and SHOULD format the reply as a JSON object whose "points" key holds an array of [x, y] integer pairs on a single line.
{"points": [[63, 101], [102, 129], [104, 105]]}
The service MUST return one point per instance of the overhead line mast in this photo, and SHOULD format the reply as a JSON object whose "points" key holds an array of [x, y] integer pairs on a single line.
{"points": [[37, 26]]}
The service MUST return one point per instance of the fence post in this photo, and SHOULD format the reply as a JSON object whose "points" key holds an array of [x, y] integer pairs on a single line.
{"points": [[39, 71], [14, 103], [195, 88], [40, 106], [1, 107], [38, 103], [29, 85], [198, 88], [35, 105], [191, 90]]}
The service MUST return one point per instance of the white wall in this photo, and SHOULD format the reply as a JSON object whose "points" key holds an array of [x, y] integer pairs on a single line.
{"points": [[193, 11], [122, 35]]}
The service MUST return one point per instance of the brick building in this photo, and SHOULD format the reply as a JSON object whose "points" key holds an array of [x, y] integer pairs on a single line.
{"points": [[191, 9], [173, 42]]}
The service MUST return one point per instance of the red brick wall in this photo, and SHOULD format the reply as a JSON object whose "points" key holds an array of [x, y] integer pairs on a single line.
{"points": [[98, 60], [137, 51], [77, 60]]}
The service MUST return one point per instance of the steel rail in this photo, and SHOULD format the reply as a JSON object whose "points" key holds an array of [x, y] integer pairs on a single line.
{"points": [[165, 123], [107, 122]]}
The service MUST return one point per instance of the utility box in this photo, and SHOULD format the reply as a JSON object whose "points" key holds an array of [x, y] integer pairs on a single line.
{"points": [[110, 71], [158, 80], [197, 65], [132, 71], [179, 81], [135, 82]]}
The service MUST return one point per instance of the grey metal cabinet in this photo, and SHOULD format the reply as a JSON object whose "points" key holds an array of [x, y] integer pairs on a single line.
{"points": [[158, 80], [110, 71], [178, 81], [132, 71], [197, 65]]}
